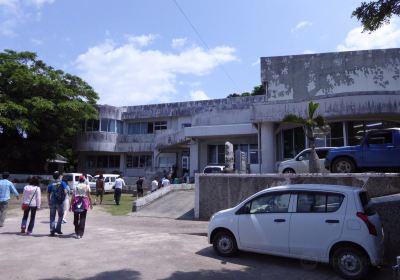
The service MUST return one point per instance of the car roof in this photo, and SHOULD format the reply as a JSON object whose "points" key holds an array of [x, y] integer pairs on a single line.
{"points": [[314, 187]]}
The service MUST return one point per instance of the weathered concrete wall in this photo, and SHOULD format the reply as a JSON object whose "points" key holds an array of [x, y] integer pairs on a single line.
{"points": [[301, 77], [215, 192], [339, 107], [183, 109]]}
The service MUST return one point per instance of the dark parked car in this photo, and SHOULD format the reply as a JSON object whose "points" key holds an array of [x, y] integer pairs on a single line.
{"points": [[379, 150]]}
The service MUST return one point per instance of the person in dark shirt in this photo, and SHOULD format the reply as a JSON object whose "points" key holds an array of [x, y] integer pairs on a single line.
{"points": [[139, 186]]}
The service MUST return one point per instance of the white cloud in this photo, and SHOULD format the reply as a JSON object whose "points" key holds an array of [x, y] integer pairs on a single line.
{"points": [[36, 42], [256, 63], [308, 52], [142, 40], [14, 12], [198, 95], [388, 36], [178, 43], [128, 75], [301, 24]]}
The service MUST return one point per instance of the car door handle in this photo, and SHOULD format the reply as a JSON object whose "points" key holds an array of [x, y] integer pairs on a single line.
{"points": [[332, 221], [279, 220]]}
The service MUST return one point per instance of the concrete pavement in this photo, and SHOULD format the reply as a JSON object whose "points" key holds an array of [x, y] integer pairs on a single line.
{"points": [[138, 247]]}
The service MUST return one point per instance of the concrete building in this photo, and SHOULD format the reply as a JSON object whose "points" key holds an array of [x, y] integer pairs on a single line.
{"points": [[357, 91]]}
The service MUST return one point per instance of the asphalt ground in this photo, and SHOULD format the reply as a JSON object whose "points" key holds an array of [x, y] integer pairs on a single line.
{"points": [[144, 245]]}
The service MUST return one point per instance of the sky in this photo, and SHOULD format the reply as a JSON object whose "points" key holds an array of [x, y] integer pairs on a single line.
{"points": [[135, 52]]}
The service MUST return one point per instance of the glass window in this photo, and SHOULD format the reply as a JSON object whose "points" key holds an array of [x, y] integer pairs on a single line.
{"points": [[160, 125], [120, 127], [138, 161], [270, 203], [102, 161], [318, 202], [111, 126], [164, 161], [253, 154], [322, 153], [150, 127], [104, 124], [380, 138], [91, 162], [92, 125], [299, 140], [288, 151], [138, 128], [335, 138], [306, 155], [113, 162], [333, 202]]}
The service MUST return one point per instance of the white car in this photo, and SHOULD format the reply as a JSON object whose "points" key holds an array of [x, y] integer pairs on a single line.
{"points": [[323, 223], [73, 179], [109, 182], [214, 169], [300, 163]]}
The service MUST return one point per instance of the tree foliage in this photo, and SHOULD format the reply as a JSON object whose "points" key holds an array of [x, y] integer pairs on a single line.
{"points": [[257, 90], [311, 125], [41, 109], [376, 13]]}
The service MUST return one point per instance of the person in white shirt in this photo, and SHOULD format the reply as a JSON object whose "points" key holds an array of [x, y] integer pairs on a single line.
{"points": [[154, 185], [119, 184], [165, 182]]}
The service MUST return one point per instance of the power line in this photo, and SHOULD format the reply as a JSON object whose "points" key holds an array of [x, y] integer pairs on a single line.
{"points": [[203, 41]]}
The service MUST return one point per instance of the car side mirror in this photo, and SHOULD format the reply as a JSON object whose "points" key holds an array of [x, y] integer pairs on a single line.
{"points": [[300, 158], [244, 210]]}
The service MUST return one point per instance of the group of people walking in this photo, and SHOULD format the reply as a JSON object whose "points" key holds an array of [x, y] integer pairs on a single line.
{"points": [[60, 199]]}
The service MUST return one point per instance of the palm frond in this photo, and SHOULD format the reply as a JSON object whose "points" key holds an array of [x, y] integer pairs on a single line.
{"points": [[294, 119]]}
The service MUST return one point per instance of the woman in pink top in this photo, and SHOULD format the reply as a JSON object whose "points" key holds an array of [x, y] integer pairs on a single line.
{"points": [[32, 197]]}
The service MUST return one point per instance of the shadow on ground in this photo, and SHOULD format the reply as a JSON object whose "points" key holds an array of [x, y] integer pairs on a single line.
{"points": [[124, 274], [259, 266]]}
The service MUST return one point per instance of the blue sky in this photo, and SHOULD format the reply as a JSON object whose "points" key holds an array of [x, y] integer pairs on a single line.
{"points": [[145, 51]]}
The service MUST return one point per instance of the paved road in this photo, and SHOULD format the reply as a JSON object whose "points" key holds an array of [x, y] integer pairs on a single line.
{"points": [[137, 247]]}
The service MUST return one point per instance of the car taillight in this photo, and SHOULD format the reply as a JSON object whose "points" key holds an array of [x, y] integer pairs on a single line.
{"points": [[370, 226]]}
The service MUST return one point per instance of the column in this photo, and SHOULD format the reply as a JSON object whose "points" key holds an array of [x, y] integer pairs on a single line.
{"points": [[194, 157], [268, 147]]}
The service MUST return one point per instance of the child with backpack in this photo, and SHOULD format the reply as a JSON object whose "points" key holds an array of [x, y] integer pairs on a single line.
{"points": [[56, 193], [80, 203]]}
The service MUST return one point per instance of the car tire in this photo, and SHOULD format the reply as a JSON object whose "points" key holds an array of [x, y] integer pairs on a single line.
{"points": [[289, 171], [224, 244], [350, 263], [343, 165]]}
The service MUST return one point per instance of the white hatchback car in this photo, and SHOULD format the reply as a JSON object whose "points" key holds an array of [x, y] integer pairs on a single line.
{"points": [[324, 223], [300, 163]]}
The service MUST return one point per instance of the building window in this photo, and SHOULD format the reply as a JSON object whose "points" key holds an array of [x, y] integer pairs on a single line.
{"points": [[108, 125], [357, 130], [293, 142], [120, 127], [160, 125], [335, 138], [164, 161], [216, 154], [251, 151], [92, 125], [186, 125], [102, 161], [139, 161], [138, 128]]}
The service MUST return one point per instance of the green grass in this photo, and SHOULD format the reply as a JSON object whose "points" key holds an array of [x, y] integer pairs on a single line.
{"points": [[108, 204]]}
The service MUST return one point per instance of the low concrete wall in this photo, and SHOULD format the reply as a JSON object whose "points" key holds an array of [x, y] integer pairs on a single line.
{"points": [[149, 198], [214, 192]]}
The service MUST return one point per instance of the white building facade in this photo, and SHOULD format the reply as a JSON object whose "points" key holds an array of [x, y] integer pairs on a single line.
{"points": [[357, 91]]}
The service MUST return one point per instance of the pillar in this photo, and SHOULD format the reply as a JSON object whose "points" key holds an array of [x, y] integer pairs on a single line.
{"points": [[268, 147]]}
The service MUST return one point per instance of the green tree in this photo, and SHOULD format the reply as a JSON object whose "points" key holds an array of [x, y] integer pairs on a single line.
{"points": [[41, 109], [376, 13], [257, 90], [312, 125]]}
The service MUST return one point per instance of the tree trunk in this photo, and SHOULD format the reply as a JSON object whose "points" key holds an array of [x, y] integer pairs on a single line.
{"points": [[313, 163]]}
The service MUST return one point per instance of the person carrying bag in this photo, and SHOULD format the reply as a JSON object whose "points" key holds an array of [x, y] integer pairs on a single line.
{"points": [[30, 203], [80, 203]]}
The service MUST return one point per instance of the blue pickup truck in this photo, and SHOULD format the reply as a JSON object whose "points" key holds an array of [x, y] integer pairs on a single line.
{"points": [[379, 150]]}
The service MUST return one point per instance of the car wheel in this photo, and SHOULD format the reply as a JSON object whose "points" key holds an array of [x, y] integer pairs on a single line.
{"points": [[343, 165], [289, 171], [224, 244], [350, 263]]}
